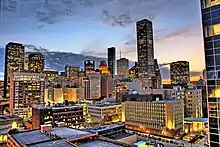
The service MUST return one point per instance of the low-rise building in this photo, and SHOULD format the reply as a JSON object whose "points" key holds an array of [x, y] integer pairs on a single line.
{"points": [[8, 122], [71, 114], [193, 103], [162, 117], [60, 137], [105, 112]]}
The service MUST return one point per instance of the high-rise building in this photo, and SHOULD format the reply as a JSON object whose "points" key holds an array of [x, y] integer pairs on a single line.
{"points": [[145, 50], [211, 32], [93, 86], [179, 73], [72, 72], [106, 85], [89, 65], [34, 62], [50, 77], [103, 68], [133, 72], [26, 89], [157, 79], [123, 67], [14, 61], [111, 60]]}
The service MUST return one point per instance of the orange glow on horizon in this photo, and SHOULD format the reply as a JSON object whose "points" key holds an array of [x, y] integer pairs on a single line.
{"points": [[192, 79]]}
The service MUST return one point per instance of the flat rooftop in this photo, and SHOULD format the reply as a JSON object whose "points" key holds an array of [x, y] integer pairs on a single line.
{"points": [[37, 139], [199, 120], [103, 128], [52, 143], [97, 143], [104, 104], [5, 118], [168, 101]]}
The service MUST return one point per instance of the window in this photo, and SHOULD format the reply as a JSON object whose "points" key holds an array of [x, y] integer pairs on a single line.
{"points": [[212, 30], [209, 3]]}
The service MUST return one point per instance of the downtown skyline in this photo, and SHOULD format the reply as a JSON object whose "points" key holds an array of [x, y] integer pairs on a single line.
{"points": [[177, 28]]}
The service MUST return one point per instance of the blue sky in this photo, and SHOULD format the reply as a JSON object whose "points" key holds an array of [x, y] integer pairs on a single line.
{"points": [[91, 26]]}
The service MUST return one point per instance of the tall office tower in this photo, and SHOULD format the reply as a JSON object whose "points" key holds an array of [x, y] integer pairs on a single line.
{"points": [[106, 85], [111, 60], [14, 61], [179, 72], [133, 72], [157, 82], [34, 62], [145, 50], [89, 65], [211, 33], [103, 68], [123, 67], [72, 72], [94, 85], [51, 77], [26, 89]]}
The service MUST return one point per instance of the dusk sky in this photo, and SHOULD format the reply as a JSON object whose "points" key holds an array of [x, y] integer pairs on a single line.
{"points": [[91, 26]]}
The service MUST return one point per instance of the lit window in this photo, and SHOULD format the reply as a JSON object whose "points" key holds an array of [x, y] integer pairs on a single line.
{"points": [[210, 3], [212, 30]]}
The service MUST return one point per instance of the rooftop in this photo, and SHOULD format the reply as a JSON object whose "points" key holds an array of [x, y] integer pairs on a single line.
{"points": [[5, 118], [52, 143], [97, 143], [104, 104], [201, 120], [169, 101], [37, 139], [103, 128]]}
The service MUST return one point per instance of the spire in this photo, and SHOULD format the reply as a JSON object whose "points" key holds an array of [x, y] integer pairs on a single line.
{"points": [[120, 54]]}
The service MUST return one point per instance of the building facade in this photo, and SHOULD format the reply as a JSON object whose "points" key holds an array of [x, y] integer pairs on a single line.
{"points": [[164, 117], [106, 85], [211, 26], [34, 62], [72, 72], [93, 85], [89, 65], [14, 61], [193, 103], [179, 72], [72, 115], [105, 113], [26, 89], [123, 67], [145, 51], [112, 60], [157, 80]]}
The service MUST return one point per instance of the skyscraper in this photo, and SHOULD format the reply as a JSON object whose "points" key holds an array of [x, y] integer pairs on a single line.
{"points": [[145, 51], [34, 62], [14, 61], [211, 33], [111, 60], [157, 82], [179, 72], [123, 67], [89, 65], [26, 89], [72, 72]]}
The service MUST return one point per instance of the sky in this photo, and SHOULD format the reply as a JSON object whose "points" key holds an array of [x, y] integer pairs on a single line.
{"points": [[89, 27]]}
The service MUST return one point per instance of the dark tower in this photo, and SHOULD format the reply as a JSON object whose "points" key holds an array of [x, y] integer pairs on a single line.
{"points": [[111, 60]]}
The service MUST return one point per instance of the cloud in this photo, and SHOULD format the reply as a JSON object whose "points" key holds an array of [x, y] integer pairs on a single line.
{"points": [[112, 12]]}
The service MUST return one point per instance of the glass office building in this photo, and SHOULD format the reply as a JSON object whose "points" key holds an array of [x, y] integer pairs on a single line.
{"points": [[211, 31]]}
